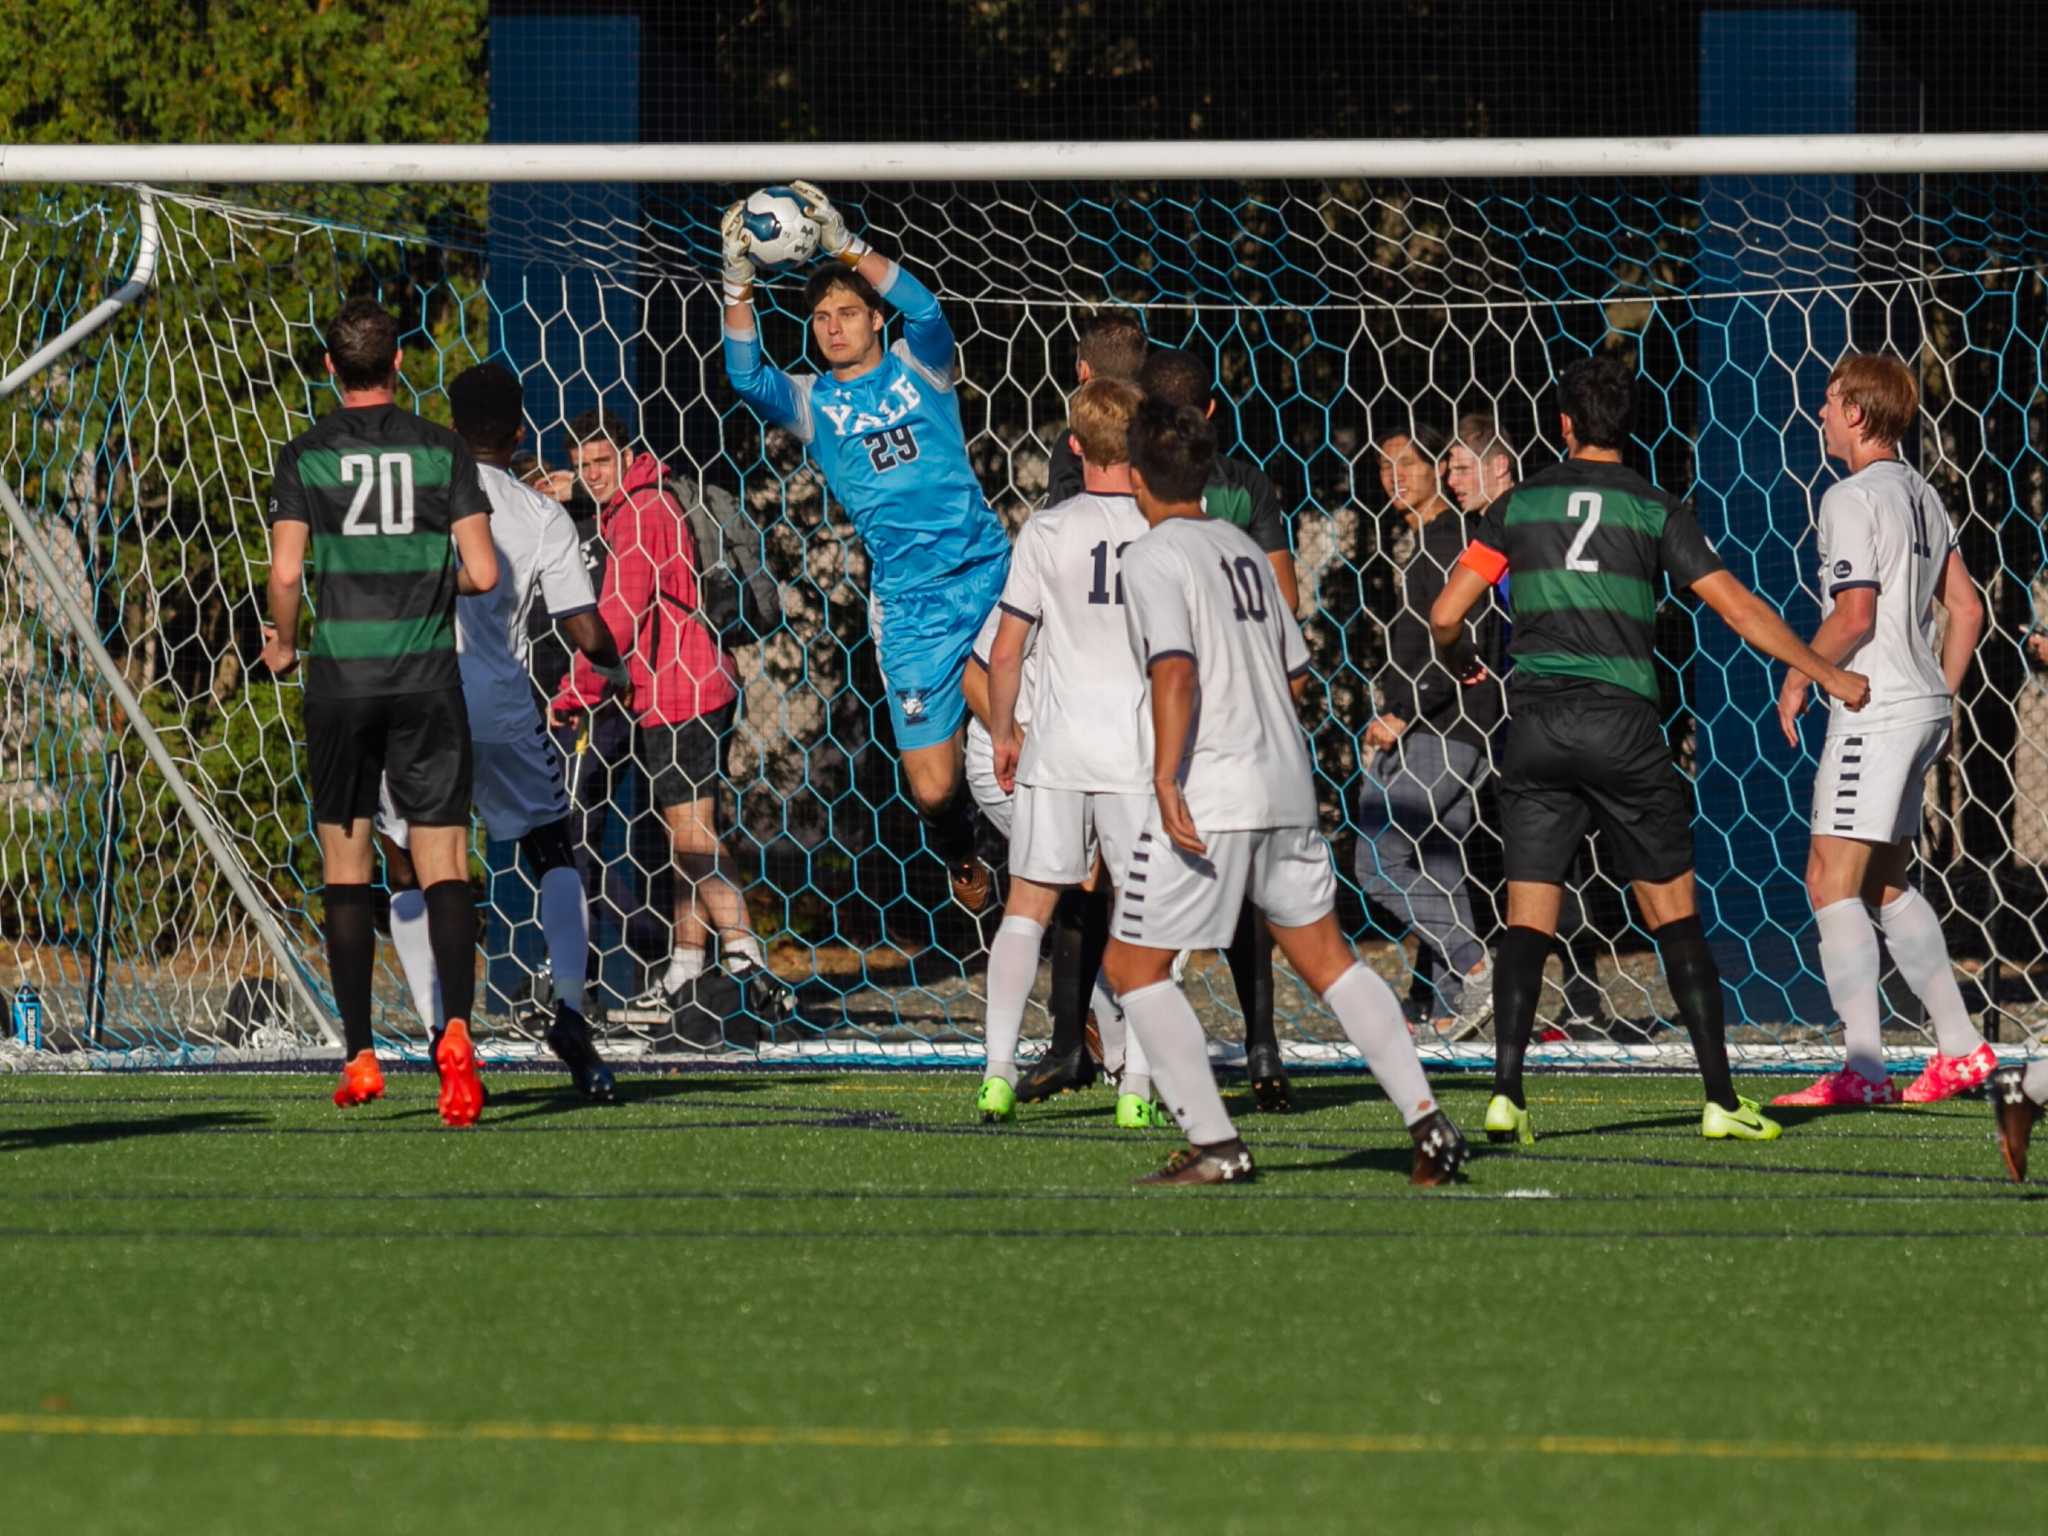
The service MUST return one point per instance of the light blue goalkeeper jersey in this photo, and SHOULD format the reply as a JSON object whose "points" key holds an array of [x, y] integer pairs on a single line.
{"points": [[891, 447]]}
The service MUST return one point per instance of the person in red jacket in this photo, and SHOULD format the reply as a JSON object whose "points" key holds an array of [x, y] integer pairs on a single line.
{"points": [[684, 692]]}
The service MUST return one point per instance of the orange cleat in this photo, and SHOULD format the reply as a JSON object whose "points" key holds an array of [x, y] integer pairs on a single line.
{"points": [[1948, 1076], [361, 1081], [462, 1091]]}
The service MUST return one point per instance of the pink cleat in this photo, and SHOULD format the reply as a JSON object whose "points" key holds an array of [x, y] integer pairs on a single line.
{"points": [[1947, 1076], [1843, 1090]]}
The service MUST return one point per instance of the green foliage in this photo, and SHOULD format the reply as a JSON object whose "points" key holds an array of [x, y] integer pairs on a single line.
{"points": [[152, 445]]}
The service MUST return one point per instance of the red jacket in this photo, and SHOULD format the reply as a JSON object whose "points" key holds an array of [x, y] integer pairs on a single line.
{"points": [[649, 604]]}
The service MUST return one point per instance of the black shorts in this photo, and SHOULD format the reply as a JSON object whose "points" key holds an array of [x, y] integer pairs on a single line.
{"points": [[685, 762], [420, 740], [1584, 758]]}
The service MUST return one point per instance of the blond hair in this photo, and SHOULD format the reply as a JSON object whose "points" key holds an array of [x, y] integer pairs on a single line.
{"points": [[1883, 389], [1100, 419]]}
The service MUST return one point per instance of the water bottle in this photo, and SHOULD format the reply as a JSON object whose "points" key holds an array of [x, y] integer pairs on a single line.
{"points": [[28, 1017]]}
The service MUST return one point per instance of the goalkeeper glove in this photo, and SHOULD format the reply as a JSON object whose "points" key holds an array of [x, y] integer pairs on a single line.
{"points": [[739, 267], [834, 239]]}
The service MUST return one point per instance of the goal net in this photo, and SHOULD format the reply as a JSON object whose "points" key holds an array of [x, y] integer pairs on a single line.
{"points": [[1334, 311]]}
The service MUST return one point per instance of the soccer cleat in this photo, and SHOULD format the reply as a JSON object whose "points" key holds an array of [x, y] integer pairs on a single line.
{"points": [[765, 995], [1745, 1122], [1440, 1151], [997, 1102], [1271, 1091], [1136, 1113], [1221, 1162], [569, 1038], [1838, 1090], [973, 884], [1052, 1074], [1947, 1076], [2014, 1114], [361, 1081], [659, 999], [462, 1091], [1505, 1123]]}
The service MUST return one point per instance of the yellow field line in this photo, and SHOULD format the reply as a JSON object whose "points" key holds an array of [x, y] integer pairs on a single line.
{"points": [[779, 1437]]}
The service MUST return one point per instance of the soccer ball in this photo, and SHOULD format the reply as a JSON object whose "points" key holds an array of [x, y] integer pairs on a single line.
{"points": [[779, 233]]}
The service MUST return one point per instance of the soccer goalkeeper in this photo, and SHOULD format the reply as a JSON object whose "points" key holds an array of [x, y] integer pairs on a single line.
{"points": [[883, 425]]}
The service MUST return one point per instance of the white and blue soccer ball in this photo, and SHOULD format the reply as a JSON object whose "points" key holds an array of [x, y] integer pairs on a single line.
{"points": [[780, 234]]}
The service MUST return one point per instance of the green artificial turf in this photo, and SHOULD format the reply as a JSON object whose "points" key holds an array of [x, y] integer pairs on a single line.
{"points": [[838, 1303]]}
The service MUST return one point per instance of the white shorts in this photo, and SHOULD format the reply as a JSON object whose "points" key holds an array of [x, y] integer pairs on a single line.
{"points": [[1871, 785], [1057, 832], [518, 786], [1174, 900], [981, 781]]}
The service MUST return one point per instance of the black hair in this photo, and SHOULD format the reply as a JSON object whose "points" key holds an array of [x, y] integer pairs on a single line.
{"points": [[1598, 393], [361, 340], [1174, 448], [1175, 376], [838, 275], [597, 422], [487, 401], [1425, 432]]}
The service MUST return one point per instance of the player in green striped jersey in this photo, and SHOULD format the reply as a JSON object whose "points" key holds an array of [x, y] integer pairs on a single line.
{"points": [[1588, 546], [382, 502]]}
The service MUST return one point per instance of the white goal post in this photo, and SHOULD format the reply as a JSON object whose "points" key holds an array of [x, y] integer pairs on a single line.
{"points": [[1341, 287]]}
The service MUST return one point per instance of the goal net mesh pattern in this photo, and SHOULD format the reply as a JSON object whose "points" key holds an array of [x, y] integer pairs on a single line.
{"points": [[1333, 313]]}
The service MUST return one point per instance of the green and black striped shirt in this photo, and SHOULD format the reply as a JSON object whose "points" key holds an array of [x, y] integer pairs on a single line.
{"points": [[379, 490], [1587, 546]]}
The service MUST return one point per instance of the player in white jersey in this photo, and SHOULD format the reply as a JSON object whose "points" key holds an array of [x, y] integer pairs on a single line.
{"points": [[1887, 557], [1234, 812], [519, 781], [1080, 776]]}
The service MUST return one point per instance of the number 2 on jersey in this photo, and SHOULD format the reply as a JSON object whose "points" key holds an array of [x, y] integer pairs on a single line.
{"points": [[388, 476], [1586, 504]]}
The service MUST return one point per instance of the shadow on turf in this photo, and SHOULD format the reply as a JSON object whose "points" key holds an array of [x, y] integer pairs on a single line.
{"points": [[556, 1096], [85, 1133]]}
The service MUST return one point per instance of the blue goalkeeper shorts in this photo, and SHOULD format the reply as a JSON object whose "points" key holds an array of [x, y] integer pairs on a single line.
{"points": [[925, 639]]}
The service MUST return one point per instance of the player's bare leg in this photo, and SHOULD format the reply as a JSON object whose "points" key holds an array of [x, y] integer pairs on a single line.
{"points": [[936, 779], [441, 855], [349, 928], [1159, 1017], [709, 902], [1371, 1018], [2017, 1094]]}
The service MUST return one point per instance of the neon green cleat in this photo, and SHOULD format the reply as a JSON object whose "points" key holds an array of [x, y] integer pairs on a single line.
{"points": [[1137, 1114], [1746, 1122], [1504, 1122], [997, 1102]]}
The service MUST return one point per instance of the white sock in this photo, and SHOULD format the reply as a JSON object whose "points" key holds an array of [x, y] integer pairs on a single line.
{"points": [[1012, 968], [740, 951], [2036, 1082], [684, 967], [1372, 1020], [1848, 962], [416, 954], [1110, 1026], [567, 926], [1160, 1017], [1913, 933]]}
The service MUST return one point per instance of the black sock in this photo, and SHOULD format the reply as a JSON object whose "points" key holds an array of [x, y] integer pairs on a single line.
{"points": [[1696, 987], [949, 831], [1517, 983], [1251, 967], [1071, 980], [451, 930], [1098, 905], [351, 958]]}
